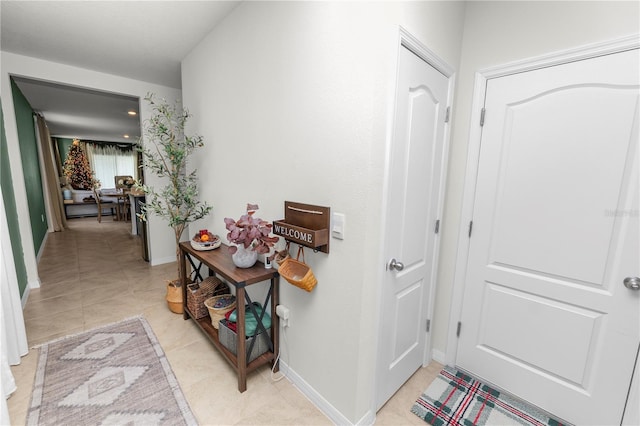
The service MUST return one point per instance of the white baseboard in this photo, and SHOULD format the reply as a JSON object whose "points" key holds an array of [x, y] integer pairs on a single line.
{"points": [[25, 296], [163, 260], [33, 284], [368, 419], [438, 356], [44, 243], [322, 404]]}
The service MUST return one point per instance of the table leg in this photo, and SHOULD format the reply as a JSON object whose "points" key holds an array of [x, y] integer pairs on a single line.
{"points": [[275, 322], [242, 351], [183, 281]]}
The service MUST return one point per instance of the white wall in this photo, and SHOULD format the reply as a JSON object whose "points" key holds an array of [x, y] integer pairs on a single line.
{"points": [[497, 33], [162, 243], [292, 98]]}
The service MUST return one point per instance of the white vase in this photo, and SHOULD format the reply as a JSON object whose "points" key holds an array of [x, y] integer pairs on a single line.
{"points": [[244, 258]]}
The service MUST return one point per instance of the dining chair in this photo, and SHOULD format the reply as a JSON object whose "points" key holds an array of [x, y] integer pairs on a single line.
{"points": [[100, 202], [120, 181], [123, 203], [125, 213]]}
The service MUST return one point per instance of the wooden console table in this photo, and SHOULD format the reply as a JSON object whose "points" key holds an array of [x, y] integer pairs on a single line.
{"points": [[71, 203], [219, 262]]}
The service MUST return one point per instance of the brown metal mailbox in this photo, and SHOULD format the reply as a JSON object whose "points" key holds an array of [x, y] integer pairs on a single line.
{"points": [[305, 224]]}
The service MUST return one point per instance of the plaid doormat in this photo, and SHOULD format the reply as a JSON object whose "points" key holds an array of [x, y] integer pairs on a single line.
{"points": [[454, 398]]}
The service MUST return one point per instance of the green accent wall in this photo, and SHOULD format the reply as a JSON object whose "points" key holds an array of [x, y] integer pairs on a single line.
{"points": [[63, 148], [11, 211], [30, 166]]}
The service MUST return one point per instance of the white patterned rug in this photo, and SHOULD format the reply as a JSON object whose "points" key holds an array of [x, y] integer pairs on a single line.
{"points": [[114, 375]]}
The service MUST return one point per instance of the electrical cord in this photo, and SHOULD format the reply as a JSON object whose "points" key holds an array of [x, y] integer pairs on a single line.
{"points": [[286, 344]]}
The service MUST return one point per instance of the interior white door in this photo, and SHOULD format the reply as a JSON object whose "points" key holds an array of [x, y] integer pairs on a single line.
{"points": [[413, 203], [546, 314]]}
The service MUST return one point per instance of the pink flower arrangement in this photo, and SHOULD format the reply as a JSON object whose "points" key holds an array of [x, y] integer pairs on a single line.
{"points": [[252, 232]]}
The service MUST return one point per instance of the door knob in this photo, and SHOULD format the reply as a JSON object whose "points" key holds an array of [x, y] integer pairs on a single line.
{"points": [[394, 264], [632, 283]]}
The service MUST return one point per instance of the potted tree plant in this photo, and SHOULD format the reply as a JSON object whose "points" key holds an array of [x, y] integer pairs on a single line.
{"points": [[166, 150]]}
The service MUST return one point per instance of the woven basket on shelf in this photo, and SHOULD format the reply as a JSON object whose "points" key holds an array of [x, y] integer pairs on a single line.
{"points": [[197, 293], [297, 272], [218, 313]]}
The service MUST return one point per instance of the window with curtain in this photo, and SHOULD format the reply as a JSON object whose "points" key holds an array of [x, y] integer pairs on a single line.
{"points": [[108, 161]]}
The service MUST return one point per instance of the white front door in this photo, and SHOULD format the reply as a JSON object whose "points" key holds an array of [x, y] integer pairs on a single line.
{"points": [[414, 197], [546, 315]]}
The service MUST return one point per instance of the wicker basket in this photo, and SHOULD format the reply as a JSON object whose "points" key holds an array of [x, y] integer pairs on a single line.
{"points": [[298, 273], [217, 314], [174, 296], [197, 293]]}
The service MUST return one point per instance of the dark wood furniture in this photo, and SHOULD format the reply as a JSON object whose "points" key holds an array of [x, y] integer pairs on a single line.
{"points": [[120, 199], [102, 202], [94, 212], [219, 262]]}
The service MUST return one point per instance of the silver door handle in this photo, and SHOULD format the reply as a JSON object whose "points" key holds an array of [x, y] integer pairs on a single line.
{"points": [[394, 264], [632, 283]]}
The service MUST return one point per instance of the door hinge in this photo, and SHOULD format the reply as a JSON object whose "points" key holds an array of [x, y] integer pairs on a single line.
{"points": [[428, 325], [437, 226], [446, 117], [458, 330], [470, 228], [482, 112]]}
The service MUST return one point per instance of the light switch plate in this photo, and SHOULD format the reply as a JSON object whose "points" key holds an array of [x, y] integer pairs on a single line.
{"points": [[338, 225]]}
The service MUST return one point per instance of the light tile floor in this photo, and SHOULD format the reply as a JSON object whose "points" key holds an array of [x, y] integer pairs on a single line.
{"points": [[93, 274]]}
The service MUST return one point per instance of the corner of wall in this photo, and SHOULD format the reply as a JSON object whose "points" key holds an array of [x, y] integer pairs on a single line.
{"points": [[25, 296], [315, 397]]}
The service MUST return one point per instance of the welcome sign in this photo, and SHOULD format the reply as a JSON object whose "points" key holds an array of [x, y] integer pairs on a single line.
{"points": [[305, 224], [293, 233]]}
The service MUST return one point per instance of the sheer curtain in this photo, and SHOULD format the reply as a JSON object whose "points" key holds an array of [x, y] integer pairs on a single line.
{"points": [[13, 336], [108, 161], [50, 182]]}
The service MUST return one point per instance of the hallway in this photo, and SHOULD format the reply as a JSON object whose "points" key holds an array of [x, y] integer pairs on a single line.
{"points": [[93, 274]]}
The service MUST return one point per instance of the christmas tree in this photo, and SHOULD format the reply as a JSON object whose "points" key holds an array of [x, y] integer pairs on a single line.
{"points": [[77, 169]]}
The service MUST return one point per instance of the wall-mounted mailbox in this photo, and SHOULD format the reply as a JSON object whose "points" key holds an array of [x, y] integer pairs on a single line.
{"points": [[305, 224]]}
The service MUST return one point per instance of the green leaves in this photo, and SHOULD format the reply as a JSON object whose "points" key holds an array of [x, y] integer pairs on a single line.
{"points": [[165, 150]]}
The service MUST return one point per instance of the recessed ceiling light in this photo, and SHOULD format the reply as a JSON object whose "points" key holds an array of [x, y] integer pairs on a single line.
{"points": [[132, 112], [126, 136]]}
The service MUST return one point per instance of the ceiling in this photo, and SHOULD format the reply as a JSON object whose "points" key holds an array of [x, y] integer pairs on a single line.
{"points": [[72, 112], [142, 40]]}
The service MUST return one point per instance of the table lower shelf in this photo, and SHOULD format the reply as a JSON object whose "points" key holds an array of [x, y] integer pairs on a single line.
{"points": [[220, 263], [211, 332]]}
